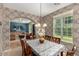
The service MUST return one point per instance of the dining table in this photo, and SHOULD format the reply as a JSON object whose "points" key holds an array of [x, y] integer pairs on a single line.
{"points": [[47, 48]]}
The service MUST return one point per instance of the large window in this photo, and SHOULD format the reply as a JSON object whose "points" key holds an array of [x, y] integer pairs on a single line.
{"points": [[62, 27]]}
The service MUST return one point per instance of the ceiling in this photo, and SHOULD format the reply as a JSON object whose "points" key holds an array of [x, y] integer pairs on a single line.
{"points": [[34, 8]]}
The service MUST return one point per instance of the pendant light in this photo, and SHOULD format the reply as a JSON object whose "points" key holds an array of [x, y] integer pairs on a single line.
{"points": [[38, 24]]}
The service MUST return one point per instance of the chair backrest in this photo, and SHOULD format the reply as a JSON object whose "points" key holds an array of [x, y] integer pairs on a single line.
{"points": [[32, 36], [47, 37], [28, 51], [27, 36], [56, 40], [70, 53], [74, 48], [67, 53], [23, 46]]}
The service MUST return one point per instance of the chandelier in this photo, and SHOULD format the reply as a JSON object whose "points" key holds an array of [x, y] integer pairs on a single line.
{"points": [[39, 24]]}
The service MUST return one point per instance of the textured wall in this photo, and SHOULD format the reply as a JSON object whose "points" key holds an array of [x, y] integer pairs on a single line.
{"points": [[49, 21], [0, 30], [7, 14], [49, 18], [76, 25]]}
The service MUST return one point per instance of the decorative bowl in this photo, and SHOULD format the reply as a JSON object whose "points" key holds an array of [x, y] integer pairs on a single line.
{"points": [[41, 40]]}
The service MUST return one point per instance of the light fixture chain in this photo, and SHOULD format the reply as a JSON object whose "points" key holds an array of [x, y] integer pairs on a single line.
{"points": [[40, 11]]}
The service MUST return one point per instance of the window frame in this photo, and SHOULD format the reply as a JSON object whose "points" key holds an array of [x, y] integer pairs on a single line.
{"points": [[61, 17]]}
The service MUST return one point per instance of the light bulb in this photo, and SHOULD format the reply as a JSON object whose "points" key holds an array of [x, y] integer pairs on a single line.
{"points": [[38, 25], [44, 25]]}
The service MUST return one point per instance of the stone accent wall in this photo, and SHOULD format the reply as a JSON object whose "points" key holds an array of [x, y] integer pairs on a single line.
{"points": [[76, 25], [7, 14], [0, 30], [49, 18], [49, 21]]}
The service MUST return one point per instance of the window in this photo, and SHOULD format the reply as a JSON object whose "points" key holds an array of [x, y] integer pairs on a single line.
{"points": [[22, 27], [58, 27], [62, 27]]}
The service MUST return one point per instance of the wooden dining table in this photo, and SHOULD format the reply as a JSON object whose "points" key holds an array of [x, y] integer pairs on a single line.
{"points": [[47, 48]]}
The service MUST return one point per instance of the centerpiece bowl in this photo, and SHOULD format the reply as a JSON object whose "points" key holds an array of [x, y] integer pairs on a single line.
{"points": [[41, 39]]}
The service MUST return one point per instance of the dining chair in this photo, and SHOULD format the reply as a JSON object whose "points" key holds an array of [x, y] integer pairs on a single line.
{"points": [[23, 47], [72, 51], [26, 50], [55, 39], [32, 36], [69, 52], [27, 36], [74, 48], [47, 37], [22, 44]]}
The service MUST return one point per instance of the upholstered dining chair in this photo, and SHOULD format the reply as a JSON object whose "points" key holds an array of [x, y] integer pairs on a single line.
{"points": [[32, 36], [23, 47], [27, 36], [55, 39], [47, 37], [22, 44], [74, 48], [69, 52], [26, 50], [72, 51]]}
